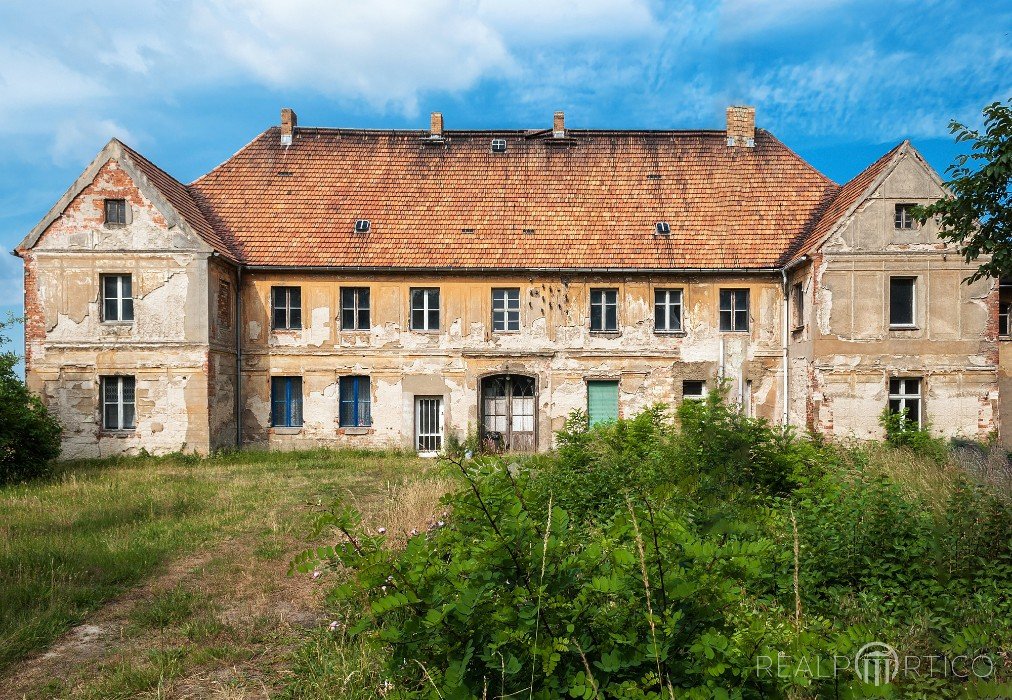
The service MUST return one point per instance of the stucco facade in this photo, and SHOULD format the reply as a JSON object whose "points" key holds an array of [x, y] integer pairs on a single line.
{"points": [[203, 349]]}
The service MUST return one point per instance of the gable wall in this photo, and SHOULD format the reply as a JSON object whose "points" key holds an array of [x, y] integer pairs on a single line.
{"points": [[854, 351], [69, 346]]}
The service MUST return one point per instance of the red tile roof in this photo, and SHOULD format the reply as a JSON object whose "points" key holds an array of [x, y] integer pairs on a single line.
{"points": [[180, 197], [589, 201]]}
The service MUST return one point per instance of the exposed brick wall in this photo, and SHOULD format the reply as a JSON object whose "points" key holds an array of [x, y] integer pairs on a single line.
{"points": [[35, 315]]}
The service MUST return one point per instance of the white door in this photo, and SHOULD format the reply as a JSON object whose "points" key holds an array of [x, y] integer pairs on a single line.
{"points": [[428, 424]]}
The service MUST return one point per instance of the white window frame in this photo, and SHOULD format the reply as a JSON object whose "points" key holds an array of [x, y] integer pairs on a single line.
{"points": [[120, 403], [119, 297], [604, 292], [903, 396], [902, 220], [508, 307], [667, 303], [913, 301], [425, 308], [694, 397]]}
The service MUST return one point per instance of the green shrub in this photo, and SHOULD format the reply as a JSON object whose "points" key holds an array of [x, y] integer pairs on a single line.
{"points": [[655, 557], [29, 435], [901, 431]]}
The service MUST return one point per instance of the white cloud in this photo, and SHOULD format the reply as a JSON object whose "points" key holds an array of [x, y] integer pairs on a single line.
{"points": [[77, 140], [32, 80]]}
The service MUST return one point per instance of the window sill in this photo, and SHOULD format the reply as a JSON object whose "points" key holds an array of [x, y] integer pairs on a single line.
{"points": [[904, 328], [112, 226], [106, 432], [355, 430], [425, 332], [743, 332], [285, 430], [674, 333], [1005, 337], [286, 331], [117, 323], [606, 333]]}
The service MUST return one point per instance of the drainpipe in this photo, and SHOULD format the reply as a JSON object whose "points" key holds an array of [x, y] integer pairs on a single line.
{"points": [[238, 358], [785, 421]]}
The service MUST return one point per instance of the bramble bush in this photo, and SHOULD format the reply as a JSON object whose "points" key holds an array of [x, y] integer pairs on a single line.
{"points": [[661, 556]]}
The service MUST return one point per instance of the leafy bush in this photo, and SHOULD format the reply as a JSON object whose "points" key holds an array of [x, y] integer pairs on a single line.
{"points": [[662, 556], [29, 435], [901, 431]]}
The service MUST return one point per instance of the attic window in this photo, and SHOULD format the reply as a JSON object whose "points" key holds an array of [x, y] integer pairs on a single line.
{"points": [[498, 145], [115, 212], [905, 216], [653, 176], [362, 226], [663, 228]]}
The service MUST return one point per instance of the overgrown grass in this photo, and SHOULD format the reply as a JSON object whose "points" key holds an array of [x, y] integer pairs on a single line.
{"points": [[96, 528]]}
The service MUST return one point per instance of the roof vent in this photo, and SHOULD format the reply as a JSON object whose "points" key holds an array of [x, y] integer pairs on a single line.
{"points": [[467, 230], [653, 176], [363, 226], [498, 145], [528, 231], [663, 228]]}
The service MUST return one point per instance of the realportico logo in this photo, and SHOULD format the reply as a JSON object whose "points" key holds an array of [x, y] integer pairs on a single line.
{"points": [[876, 664]]}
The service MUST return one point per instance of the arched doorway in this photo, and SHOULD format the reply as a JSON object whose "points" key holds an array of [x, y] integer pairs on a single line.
{"points": [[507, 412]]}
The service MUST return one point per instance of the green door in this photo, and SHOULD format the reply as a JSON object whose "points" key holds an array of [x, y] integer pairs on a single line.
{"points": [[602, 401]]}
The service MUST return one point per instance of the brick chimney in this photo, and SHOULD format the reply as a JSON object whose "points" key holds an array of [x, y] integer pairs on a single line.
{"points": [[436, 125], [288, 123], [559, 125], [741, 126]]}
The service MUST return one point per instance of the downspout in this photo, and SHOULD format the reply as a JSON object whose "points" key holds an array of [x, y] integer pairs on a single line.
{"points": [[785, 420], [238, 358]]}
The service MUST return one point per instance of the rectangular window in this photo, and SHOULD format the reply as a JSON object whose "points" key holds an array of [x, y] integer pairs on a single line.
{"points": [[901, 301], [734, 310], [118, 403], [602, 401], [117, 298], [1005, 306], [286, 308], [604, 309], [798, 305], [667, 310], [505, 309], [425, 309], [905, 395], [693, 389], [355, 309], [115, 212], [904, 216], [356, 402], [286, 402]]}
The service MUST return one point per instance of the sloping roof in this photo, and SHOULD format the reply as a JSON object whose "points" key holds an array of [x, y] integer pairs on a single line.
{"points": [[170, 197], [845, 200], [588, 201], [182, 201]]}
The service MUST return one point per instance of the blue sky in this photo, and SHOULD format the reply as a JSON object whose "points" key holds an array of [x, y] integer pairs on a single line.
{"points": [[189, 82]]}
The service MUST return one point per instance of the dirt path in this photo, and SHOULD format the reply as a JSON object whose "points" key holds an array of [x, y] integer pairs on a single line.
{"points": [[211, 624]]}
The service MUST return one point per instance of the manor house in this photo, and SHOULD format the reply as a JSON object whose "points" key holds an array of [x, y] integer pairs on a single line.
{"points": [[376, 288]]}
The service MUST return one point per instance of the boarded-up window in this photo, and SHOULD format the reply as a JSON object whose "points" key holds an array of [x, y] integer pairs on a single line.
{"points": [[225, 304], [602, 401]]}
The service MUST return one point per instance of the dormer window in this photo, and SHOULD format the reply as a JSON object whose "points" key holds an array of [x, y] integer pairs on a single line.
{"points": [[115, 212], [498, 145], [904, 216], [363, 226], [663, 228]]}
